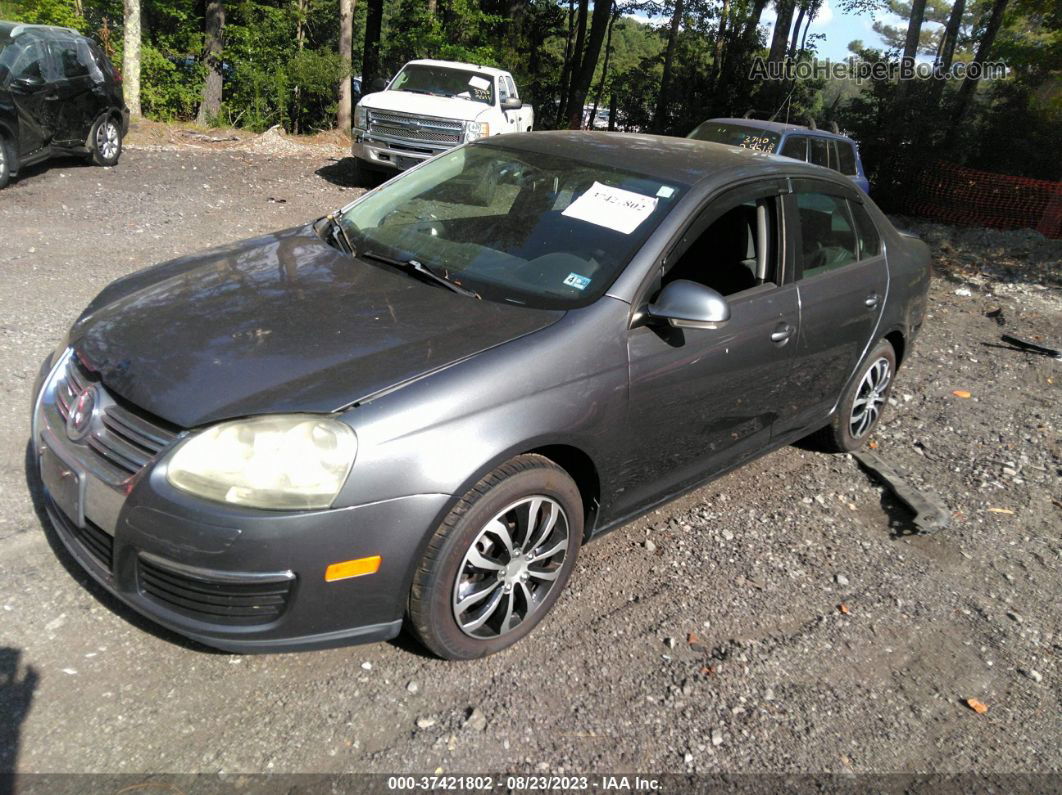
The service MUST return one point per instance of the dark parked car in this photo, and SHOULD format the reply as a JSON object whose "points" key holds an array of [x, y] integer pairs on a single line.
{"points": [[810, 144], [420, 406], [58, 95]]}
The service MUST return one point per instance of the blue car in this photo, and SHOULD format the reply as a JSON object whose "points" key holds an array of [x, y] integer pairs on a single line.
{"points": [[810, 144]]}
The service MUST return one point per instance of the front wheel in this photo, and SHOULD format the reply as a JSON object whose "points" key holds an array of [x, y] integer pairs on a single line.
{"points": [[862, 403], [105, 142], [6, 162], [499, 561]]}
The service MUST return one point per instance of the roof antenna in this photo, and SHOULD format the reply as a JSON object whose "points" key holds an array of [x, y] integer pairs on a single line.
{"points": [[784, 104]]}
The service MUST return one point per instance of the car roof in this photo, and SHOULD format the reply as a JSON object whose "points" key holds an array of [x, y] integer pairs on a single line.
{"points": [[490, 70], [681, 160], [782, 127], [11, 30]]}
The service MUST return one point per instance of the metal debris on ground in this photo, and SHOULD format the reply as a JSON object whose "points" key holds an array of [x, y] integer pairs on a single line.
{"points": [[1035, 347], [929, 514]]}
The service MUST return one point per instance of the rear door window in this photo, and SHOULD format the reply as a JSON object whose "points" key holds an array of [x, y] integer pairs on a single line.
{"points": [[819, 152], [846, 162], [795, 146], [28, 62], [868, 238], [828, 239]]}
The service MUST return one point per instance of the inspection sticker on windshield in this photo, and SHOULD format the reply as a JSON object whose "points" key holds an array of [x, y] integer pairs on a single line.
{"points": [[613, 208], [577, 281], [481, 83]]}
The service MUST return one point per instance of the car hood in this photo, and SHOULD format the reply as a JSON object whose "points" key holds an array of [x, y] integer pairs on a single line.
{"points": [[279, 323], [425, 105]]}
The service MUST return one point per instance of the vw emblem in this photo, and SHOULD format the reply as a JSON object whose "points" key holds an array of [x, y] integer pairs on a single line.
{"points": [[79, 420]]}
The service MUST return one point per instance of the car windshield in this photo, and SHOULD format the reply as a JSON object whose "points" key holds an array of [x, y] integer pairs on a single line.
{"points": [[522, 227], [445, 82], [737, 135]]}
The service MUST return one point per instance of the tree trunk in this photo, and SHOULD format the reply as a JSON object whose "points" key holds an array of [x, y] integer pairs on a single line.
{"points": [[780, 38], [370, 63], [131, 58], [717, 55], [588, 63], [566, 68], [346, 41], [659, 118], [604, 66], [612, 110], [910, 49], [300, 42], [213, 43], [576, 63], [984, 49], [951, 35], [433, 6], [812, 13], [796, 29]]}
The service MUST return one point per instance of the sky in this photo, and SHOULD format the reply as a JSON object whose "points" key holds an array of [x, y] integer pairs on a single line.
{"points": [[839, 28]]}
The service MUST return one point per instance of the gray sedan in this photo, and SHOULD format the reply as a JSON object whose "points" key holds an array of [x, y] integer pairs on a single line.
{"points": [[416, 410]]}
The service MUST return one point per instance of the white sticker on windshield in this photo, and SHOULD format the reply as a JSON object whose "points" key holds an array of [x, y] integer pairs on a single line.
{"points": [[577, 281], [665, 192], [481, 83], [613, 208]]}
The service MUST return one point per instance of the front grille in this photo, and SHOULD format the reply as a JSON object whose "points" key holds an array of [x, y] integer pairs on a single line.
{"points": [[93, 538], [212, 600], [416, 128], [123, 438]]}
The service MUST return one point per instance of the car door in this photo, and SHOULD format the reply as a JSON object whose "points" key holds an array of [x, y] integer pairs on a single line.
{"points": [[703, 400], [33, 94], [842, 281], [79, 85]]}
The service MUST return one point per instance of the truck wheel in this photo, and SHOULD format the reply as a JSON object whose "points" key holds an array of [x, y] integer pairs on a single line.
{"points": [[7, 161]]}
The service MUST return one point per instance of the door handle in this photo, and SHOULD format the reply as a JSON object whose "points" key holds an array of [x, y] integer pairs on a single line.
{"points": [[782, 334], [871, 301]]}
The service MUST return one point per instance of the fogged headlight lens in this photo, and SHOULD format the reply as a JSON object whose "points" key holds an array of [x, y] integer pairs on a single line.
{"points": [[281, 462], [476, 129], [361, 117]]}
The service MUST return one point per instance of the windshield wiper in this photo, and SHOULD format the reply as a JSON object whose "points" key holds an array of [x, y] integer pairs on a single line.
{"points": [[338, 233], [415, 266]]}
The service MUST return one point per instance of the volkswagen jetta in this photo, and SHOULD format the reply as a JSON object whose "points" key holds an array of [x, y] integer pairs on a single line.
{"points": [[417, 408]]}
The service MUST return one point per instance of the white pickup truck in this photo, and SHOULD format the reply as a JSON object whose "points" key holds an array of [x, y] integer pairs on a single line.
{"points": [[431, 106]]}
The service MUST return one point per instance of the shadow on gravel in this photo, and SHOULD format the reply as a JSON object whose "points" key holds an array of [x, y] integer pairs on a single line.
{"points": [[346, 173], [27, 173], [73, 568], [16, 696]]}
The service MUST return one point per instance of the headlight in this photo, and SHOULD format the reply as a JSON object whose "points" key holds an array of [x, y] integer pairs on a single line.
{"points": [[361, 118], [280, 462], [476, 129]]}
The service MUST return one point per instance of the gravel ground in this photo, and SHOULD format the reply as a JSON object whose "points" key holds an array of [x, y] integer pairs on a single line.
{"points": [[783, 618]]}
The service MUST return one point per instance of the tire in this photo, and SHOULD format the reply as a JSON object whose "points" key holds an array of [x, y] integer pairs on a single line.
{"points": [[467, 569], [855, 419], [105, 141], [7, 162]]}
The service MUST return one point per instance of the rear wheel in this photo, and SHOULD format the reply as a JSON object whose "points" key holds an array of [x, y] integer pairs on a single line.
{"points": [[6, 162], [862, 403], [499, 561], [105, 141]]}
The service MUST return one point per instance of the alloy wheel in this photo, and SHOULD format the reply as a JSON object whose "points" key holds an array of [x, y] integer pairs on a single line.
{"points": [[107, 140], [870, 398], [511, 567]]}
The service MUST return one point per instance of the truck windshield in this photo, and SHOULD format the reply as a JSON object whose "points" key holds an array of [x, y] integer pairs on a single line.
{"points": [[442, 81], [526, 228], [737, 135]]}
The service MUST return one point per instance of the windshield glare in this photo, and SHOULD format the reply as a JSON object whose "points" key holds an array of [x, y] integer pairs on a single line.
{"points": [[522, 227], [444, 82], [737, 135]]}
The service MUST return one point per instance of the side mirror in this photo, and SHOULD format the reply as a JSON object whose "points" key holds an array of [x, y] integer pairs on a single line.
{"points": [[686, 304], [379, 84], [511, 103]]}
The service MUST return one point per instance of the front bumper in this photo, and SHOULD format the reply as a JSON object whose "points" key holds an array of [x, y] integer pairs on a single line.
{"points": [[392, 154], [237, 579]]}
